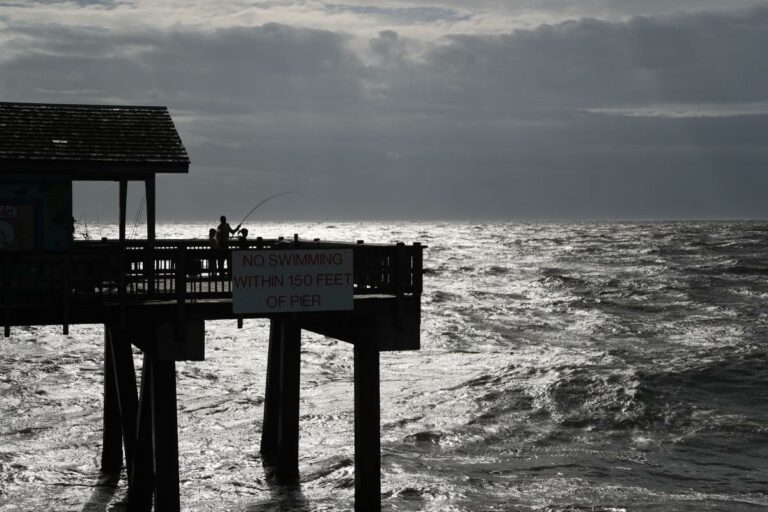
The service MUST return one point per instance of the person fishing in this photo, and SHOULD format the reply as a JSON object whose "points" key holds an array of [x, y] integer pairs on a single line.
{"points": [[222, 237], [223, 231]]}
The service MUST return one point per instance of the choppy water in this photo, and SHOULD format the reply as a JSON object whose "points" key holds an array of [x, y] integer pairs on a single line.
{"points": [[565, 366]]}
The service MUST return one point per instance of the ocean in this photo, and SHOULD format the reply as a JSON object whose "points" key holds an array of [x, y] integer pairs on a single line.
{"points": [[565, 366]]}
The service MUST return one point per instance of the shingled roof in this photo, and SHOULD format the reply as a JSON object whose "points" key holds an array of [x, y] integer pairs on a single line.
{"points": [[88, 141]]}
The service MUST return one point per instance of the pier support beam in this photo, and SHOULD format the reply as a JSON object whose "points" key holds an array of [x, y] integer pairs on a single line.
{"points": [[367, 429], [120, 401], [111, 434], [269, 433], [280, 430], [155, 470]]}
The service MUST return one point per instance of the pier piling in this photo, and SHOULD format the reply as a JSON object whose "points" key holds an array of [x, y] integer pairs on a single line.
{"points": [[111, 434], [367, 429], [280, 430], [155, 470]]}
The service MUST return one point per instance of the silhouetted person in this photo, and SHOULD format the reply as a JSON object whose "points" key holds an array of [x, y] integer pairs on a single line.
{"points": [[223, 232], [214, 245], [242, 240], [222, 236]]}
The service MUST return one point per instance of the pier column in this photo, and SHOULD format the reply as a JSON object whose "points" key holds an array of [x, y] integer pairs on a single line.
{"points": [[280, 430], [165, 441], [367, 429], [269, 434], [141, 480], [111, 434], [155, 469], [120, 401]]}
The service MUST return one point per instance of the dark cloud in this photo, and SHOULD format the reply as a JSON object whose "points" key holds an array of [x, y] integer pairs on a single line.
{"points": [[467, 126]]}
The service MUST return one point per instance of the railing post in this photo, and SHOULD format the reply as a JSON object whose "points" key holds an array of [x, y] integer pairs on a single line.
{"points": [[402, 274], [149, 267], [123, 200], [122, 285], [181, 290], [417, 270]]}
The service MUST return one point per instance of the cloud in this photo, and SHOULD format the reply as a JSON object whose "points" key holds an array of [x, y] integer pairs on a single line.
{"points": [[585, 118]]}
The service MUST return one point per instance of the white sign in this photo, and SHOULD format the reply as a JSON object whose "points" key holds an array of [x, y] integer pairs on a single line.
{"points": [[291, 281]]}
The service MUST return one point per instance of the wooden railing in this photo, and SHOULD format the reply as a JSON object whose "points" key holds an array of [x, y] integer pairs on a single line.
{"points": [[188, 270]]}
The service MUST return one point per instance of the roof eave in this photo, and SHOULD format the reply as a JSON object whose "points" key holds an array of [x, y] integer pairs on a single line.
{"points": [[90, 170]]}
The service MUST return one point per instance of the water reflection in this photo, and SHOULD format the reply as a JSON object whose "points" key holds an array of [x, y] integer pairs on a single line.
{"points": [[282, 497], [102, 494]]}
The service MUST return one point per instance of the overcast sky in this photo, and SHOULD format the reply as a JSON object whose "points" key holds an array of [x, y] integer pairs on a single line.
{"points": [[416, 109]]}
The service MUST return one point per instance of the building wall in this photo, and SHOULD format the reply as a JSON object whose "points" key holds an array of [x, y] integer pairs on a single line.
{"points": [[35, 213]]}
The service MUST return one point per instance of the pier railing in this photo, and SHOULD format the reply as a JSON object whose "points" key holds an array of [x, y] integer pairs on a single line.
{"points": [[189, 270]]}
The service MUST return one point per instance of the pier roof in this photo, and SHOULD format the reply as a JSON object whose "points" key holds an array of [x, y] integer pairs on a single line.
{"points": [[96, 142]]}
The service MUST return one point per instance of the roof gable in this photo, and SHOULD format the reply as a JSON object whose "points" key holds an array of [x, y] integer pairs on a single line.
{"points": [[88, 141]]}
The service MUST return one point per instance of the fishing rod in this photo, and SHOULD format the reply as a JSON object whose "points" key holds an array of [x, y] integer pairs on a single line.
{"points": [[137, 217], [84, 221], [264, 201]]}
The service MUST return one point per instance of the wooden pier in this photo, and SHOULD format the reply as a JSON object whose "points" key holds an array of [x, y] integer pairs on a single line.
{"points": [[157, 295]]}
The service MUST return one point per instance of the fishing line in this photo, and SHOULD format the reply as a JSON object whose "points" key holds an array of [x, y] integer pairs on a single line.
{"points": [[264, 201], [137, 217]]}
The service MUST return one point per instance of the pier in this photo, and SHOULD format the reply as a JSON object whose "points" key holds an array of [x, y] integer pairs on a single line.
{"points": [[157, 294]]}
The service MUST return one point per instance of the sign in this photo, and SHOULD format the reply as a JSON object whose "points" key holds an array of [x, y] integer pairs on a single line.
{"points": [[17, 227], [291, 281], [7, 211]]}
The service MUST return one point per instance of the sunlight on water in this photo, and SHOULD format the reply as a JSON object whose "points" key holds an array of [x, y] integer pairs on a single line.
{"points": [[582, 366]]}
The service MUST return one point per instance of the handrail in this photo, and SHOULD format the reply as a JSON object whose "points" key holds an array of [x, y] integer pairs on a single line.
{"points": [[186, 271]]}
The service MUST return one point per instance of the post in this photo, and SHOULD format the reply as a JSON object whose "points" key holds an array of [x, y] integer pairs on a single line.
{"points": [[149, 259], [367, 429], [269, 435], [155, 469], [181, 290], [165, 442], [149, 187], [288, 423], [123, 206], [111, 434], [280, 430], [125, 384], [141, 480]]}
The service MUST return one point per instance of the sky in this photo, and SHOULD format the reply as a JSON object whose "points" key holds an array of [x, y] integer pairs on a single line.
{"points": [[415, 109]]}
